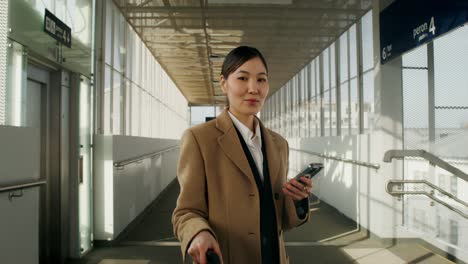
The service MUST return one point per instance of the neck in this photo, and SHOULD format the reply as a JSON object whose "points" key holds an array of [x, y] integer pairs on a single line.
{"points": [[247, 120]]}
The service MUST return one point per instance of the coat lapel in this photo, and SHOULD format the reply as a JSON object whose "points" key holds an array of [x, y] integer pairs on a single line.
{"points": [[272, 153], [231, 146]]}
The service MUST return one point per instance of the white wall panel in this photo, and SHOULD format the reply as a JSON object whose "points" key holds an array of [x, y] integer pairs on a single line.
{"points": [[19, 221], [19, 154], [121, 195]]}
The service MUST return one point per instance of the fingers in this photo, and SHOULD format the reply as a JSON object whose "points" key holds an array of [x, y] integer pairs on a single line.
{"points": [[307, 182], [200, 245], [305, 185], [297, 184], [293, 195], [218, 251], [296, 190], [203, 256], [194, 253], [198, 254]]}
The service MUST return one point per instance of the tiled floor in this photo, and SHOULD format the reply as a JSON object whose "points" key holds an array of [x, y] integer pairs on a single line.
{"points": [[328, 237]]}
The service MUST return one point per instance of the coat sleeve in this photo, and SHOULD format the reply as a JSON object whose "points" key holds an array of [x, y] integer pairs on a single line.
{"points": [[191, 213], [290, 215]]}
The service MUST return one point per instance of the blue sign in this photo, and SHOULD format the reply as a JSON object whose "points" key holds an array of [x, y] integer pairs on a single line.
{"points": [[406, 24]]}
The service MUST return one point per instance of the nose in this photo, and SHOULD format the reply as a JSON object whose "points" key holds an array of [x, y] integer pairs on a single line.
{"points": [[253, 87]]}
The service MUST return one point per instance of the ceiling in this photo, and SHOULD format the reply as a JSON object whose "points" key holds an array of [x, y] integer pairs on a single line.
{"points": [[191, 38]]}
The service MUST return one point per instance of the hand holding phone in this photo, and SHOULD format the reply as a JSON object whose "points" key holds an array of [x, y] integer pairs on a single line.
{"points": [[309, 172]]}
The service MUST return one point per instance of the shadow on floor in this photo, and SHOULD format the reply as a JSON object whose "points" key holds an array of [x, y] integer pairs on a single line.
{"points": [[329, 237]]}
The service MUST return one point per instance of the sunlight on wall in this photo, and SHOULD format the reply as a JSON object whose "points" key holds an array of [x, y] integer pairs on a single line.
{"points": [[109, 198], [17, 88]]}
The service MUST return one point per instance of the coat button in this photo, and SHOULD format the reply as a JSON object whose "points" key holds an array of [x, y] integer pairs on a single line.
{"points": [[277, 196]]}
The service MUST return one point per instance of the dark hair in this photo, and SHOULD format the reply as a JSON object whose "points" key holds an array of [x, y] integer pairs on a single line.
{"points": [[239, 56]]}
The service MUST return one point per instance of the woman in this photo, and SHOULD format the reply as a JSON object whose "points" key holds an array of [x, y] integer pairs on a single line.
{"points": [[232, 171]]}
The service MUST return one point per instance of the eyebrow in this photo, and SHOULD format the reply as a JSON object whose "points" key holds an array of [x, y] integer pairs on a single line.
{"points": [[260, 73]]}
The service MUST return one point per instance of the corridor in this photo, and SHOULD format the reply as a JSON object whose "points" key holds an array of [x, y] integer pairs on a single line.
{"points": [[329, 238]]}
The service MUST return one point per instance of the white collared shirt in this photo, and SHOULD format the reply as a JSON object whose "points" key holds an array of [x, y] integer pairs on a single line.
{"points": [[253, 141]]}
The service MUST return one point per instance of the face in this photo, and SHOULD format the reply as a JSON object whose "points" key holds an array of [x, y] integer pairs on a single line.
{"points": [[246, 88]]}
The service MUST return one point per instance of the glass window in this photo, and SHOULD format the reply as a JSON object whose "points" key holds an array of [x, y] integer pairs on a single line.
{"points": [[158, 119], [451, 94], [352, 52], [326, 112], [354, 107], [136, 62], [80, 13], [135, 110], [344, 57], [129, 51], [333, 106], [143, 111], [451, 78], [453, 232], [129, 93], [312, 80], [107, 99], [117, 104], [454, 185], [118, 40], [333, 124], [368, 104], [326, 70], [128, 106], [345, 109], [108, 32], [416, 58], [332, 66], [367, 42], [415, 98], [199, 114], [318, 92]]}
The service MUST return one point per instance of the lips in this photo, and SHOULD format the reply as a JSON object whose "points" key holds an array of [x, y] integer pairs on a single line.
{"points": [[252, 100]]}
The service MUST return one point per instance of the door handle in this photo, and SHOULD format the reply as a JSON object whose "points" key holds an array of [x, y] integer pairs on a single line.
{"points": [[80, 169]]}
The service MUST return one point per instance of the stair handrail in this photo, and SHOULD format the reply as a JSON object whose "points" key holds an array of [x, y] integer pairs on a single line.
{"points": [[11, 188], [122, 163], [430, 195], [433, 159], [22, 185], [325, 156]]}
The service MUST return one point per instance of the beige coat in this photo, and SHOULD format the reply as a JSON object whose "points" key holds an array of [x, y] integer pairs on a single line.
{"points": [[218, 191]]}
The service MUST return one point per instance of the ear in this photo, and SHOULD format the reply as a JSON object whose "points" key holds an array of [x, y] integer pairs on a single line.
{"points": [[223, 83]]}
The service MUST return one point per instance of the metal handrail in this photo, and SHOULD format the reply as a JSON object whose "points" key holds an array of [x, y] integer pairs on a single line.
{"points": [[356, 162], [430, 195], [433, 159], [21, 186], [121, 164]]}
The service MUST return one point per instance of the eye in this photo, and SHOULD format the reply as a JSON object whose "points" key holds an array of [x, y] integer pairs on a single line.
{"points": [[242, 78], [262, 80]]}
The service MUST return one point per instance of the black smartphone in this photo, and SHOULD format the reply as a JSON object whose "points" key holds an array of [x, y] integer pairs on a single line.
{"points": [[212, 257], [310, 171]]}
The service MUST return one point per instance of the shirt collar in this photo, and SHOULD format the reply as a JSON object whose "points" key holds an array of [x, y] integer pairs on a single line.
{"points": [[248, 135]]}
